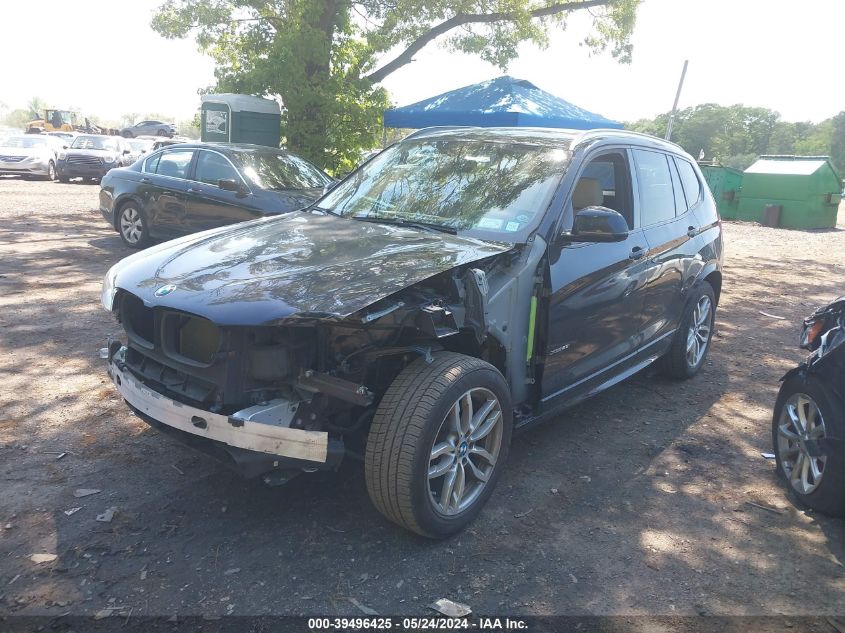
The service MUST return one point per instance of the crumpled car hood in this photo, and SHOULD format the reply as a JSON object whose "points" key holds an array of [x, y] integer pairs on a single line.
{"points": [[296, 264]]}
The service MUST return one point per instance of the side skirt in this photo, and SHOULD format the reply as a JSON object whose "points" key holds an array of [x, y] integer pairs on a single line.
{"points": [[559, 403]]}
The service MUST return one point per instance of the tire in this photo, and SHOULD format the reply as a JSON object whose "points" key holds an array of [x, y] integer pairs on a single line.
{"points": [[413, 421], [681, 362], [163, 132], [64, 179], [51, 171], [132, 225], [821, 483], [127, 134]]}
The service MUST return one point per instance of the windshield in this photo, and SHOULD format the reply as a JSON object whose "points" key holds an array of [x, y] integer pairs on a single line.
{"points": [[280, 171], [494, 189], [94, 142], [25, 141]]}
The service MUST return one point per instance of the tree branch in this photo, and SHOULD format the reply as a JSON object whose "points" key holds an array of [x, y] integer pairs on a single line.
{"points": [[461, 19]]}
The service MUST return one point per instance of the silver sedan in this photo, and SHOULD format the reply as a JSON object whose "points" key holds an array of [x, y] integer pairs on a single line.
{"points": [[29, 155]]}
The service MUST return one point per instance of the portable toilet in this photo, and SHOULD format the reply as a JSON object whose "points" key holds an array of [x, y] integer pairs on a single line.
{"points": [[797, 192], [724, 183], [234, 118]]}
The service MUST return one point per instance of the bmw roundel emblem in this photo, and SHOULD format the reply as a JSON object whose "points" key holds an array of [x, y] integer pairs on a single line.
{"points": [[165, 290]]}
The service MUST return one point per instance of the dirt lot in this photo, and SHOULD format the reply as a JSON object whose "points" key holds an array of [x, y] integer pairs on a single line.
{"points": [[633, 503]]}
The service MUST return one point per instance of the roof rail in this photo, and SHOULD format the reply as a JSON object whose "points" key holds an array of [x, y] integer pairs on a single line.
{"points": [[604, 132], [439, 128]]}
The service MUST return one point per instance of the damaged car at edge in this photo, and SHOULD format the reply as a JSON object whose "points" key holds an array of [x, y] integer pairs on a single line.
{"points": [[462, 284]]}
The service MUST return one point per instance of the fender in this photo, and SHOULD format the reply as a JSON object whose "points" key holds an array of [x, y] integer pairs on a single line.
{"points": [[795, 371]]}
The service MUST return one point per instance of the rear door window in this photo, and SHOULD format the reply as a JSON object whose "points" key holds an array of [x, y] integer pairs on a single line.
{"points": [[657, 197], [175, 163], [680, 201]]}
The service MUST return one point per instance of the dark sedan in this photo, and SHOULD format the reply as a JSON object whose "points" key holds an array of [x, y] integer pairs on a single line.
{"points": [[197, 186]]}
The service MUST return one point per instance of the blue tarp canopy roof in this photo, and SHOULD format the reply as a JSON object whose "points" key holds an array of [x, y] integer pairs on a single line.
{"points": [[501, 102]]}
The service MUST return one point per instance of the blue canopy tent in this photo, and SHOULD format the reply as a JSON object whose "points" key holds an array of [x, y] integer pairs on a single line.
{"points": [[501, 102]]}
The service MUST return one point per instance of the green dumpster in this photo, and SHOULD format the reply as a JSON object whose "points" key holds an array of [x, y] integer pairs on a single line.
{"points": [[234, 118], [806, 188], [724, 183]]}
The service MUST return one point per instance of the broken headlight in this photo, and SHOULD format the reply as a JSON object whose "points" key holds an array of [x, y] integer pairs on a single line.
{"points": [[109, 289]]}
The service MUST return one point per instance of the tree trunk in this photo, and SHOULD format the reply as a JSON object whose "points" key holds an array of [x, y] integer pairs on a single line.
{"points": [[308, 103]]}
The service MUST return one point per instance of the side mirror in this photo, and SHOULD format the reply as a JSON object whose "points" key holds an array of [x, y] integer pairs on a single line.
{"points": [[127, 151], [330, 186], [230, 184], [598, 224]]}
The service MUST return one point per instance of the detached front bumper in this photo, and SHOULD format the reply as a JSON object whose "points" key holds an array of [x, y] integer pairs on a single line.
{"points": [[240, 441]]}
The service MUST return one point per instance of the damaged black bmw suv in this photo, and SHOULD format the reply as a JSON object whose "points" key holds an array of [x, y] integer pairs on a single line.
{"points": [[462, 284]]}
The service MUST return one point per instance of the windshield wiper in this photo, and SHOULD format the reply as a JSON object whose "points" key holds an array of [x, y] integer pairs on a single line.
{"points": [[427, 226], [314, 207]]}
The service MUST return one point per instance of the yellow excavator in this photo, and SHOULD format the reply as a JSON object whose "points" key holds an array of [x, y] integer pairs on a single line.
{"points": [[53, 121], [64, 121]]}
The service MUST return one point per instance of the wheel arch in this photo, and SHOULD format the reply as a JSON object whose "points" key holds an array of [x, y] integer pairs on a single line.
{"points": [[121, 202], [712, 274]]}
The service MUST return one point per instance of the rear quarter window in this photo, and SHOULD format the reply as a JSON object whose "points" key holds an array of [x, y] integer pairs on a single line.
{"points": [[151, 164], [690, 181]]}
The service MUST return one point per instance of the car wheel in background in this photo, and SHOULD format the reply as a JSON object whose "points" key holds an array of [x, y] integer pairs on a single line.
{"points": [[438, 443], [163, 132], [127, 134], [692, 339], [132, 226], [51, 171], [806, 418]]}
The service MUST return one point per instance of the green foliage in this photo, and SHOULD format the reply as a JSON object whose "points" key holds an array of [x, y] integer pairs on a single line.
{"points": [[189, 127], [736, 135], [17, 119], [837, 143], [35, 108], [326, 58]]}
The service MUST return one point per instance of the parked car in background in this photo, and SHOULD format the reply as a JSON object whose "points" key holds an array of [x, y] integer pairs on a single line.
{"points": [[160, 142], [153, 128], [66, 137], [91, 156], [30, 155], [139, 147], [192, 187], [808, 424], [459, 285]]}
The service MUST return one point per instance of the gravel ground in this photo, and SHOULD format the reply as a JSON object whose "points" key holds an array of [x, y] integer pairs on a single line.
{"points": [[636, 502]]}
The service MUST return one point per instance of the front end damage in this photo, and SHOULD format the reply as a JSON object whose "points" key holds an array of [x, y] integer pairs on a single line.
{"points": [[298, 394]]}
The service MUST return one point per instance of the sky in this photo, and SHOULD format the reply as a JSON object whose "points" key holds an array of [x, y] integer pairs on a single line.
{"points": [[101, 57]]}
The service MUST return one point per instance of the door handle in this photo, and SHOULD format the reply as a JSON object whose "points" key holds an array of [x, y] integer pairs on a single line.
{"points": [[146, 181], [637, 253], [692, 231], [194, 190]]}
